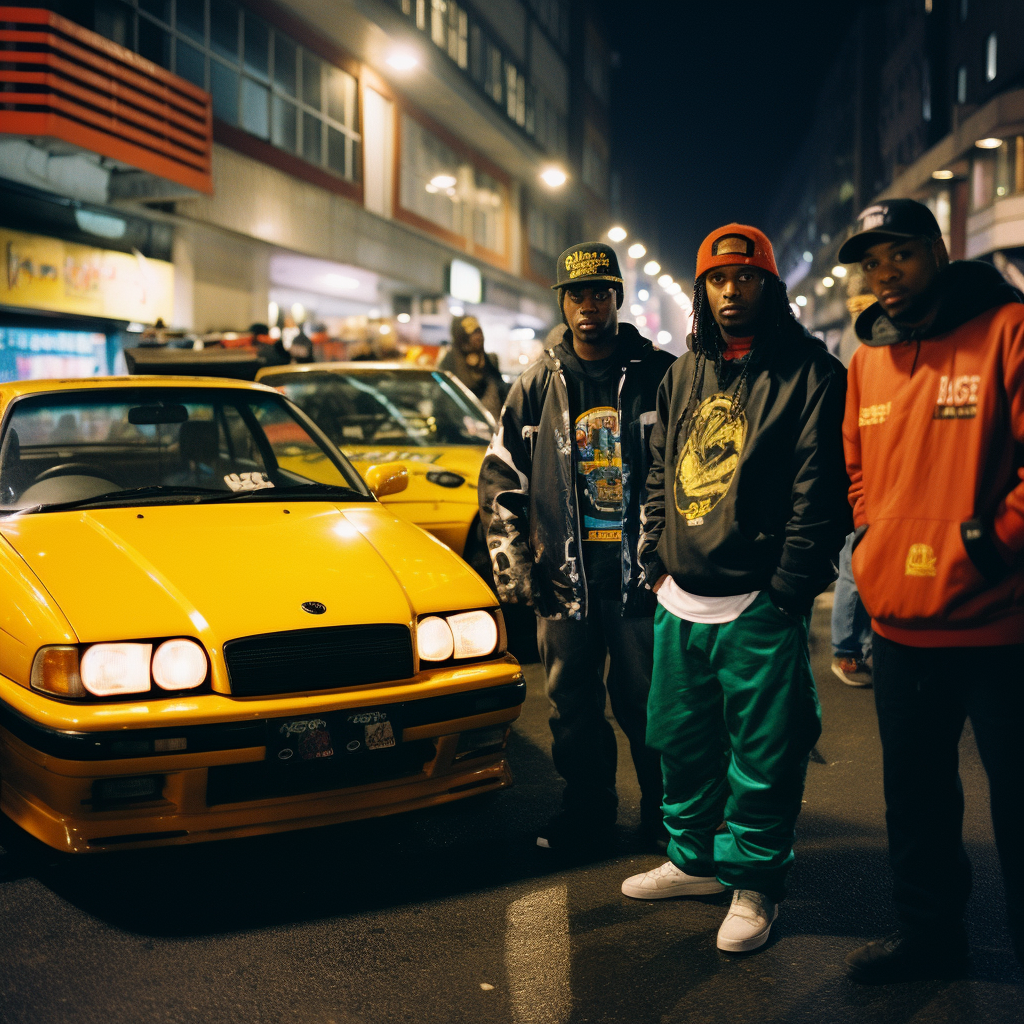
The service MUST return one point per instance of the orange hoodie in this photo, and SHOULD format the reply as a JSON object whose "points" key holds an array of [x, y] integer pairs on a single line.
{"points": [[934, 440]]}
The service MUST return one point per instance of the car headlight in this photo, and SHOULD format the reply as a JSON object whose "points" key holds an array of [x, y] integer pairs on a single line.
{"points": [[119, 669], [475, 634], [110, 670], [179, 665], [434, 639], [472, 634]]}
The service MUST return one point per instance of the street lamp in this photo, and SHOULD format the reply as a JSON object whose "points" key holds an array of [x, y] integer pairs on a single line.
{"points": [[617, 234], [989, 143], [402, 60], [637, 251], [828, 282], [839, 270], [553, 177], [652, 267], [942, 175]]}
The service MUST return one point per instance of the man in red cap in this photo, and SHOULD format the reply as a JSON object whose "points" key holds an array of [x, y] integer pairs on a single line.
{"points": [[746, 513]]}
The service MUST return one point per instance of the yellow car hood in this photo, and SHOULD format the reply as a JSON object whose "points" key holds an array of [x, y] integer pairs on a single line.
{"points": [[463, 459], [223, 571]]}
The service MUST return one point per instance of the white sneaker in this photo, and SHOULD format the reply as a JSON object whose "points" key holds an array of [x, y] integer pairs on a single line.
{"points": [[668, 880], [748, 922]]}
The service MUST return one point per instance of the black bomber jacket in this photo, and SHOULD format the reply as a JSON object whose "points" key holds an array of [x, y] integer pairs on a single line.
{"points": [[758, 502], [527, 487]]}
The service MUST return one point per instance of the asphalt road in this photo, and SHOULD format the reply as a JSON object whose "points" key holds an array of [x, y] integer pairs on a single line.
{"points": [[454, 915]]}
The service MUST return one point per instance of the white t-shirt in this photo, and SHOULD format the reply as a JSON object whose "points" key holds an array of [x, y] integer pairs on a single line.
{"points": [[695, 608]]}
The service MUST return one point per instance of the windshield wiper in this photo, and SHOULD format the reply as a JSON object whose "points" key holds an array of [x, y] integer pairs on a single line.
{"points": [[199, 495], [126, 496]]}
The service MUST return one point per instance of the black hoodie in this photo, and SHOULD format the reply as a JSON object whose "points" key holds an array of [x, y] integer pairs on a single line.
{"points": [[756, 500]]}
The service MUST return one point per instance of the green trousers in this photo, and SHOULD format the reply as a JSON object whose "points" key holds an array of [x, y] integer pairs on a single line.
{"points": [[734, 715]]}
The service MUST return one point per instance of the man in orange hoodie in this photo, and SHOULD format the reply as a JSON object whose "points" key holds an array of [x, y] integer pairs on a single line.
{"points": [[934, 436]]}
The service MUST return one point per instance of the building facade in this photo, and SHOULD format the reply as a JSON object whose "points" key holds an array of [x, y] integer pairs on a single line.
{"points": [[370, 167], [937, 90]]}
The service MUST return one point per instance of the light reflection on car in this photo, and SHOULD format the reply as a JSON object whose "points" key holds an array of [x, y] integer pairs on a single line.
{"points": [[211, 628], [386, 412]]}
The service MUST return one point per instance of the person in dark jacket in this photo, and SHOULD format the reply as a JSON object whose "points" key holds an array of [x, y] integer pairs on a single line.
{"points": [[745, 515], [560, 493], [934, 435], [477, 369]]}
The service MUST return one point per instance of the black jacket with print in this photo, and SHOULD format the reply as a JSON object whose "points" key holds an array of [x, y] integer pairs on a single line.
{"points": [[527, 486], [758, 502]]}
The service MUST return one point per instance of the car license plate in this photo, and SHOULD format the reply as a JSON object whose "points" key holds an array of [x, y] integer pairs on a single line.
{"points": [[332, 735]]}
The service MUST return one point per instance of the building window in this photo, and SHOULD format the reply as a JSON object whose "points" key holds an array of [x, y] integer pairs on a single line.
{"points": [[595, 64], [468, 45], [548, 237], [443, 187], [259, 79], [990, 57], [961, 84], [595, 170], [983, 175]]}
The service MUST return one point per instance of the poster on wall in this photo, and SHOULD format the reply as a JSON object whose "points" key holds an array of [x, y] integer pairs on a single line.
{"points": [[63, 277]]}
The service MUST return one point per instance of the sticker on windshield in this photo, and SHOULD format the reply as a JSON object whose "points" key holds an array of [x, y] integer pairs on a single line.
{"points": [[252, 481]]}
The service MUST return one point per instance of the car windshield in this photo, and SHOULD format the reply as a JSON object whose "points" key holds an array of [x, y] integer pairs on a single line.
{"points": [[386, 409], [134, 445]]}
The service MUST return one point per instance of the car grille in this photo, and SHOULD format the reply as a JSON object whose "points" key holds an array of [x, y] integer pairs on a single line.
{"points": [[318, 659], [264, 780]]}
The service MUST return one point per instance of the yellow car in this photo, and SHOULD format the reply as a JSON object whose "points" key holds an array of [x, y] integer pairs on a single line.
{"points": [[198, 641], [378, 413]]}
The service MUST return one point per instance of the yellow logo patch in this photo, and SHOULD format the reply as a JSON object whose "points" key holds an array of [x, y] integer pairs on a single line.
{"points": [[873, 415], [921, 560], [585, 264]]}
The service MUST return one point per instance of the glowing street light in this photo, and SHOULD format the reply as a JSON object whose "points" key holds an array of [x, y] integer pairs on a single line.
{"points": [[989, 143], [617, 234], [828, 282], [553, 177], [942, 175], [637, 251], [443, 181], [801, 300], [402, 60], [665, 280], [664, 337], [652, 267], [839, 270]]}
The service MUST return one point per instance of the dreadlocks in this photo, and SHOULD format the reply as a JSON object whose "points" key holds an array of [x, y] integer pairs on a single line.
{"points": [[775, 321]]}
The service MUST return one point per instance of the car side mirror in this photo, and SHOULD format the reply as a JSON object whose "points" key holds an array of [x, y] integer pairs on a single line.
{"points": [[390, 478]]}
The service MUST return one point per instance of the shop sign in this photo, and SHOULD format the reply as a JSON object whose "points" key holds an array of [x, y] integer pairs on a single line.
{"points": [[63, 277], [464, 282]]}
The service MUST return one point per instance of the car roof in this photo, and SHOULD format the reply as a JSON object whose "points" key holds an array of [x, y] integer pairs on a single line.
{"points": [[362, 365], [17, 388]]}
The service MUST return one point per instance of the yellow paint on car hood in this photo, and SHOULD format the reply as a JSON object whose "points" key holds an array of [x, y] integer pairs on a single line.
{"points": [[221, 571]]}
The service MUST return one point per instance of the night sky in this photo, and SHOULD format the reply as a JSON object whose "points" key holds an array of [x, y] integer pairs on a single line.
{"points": [[709, 102]]}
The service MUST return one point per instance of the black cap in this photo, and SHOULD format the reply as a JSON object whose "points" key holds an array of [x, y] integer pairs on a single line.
{"points": [[588, 263], [893, 218]]}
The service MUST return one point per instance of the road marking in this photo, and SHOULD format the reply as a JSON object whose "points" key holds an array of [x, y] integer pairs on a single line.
{"points": [[537, 957]]}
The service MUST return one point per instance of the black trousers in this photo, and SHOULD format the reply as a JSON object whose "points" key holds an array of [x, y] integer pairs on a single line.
{"points": [[583, 743], [923, 696]]}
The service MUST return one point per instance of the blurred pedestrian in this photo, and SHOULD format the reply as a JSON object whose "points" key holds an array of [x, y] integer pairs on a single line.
{"points": [[745, 514], [851, 624], [934, 435], [477, 369], [560, 493]]}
